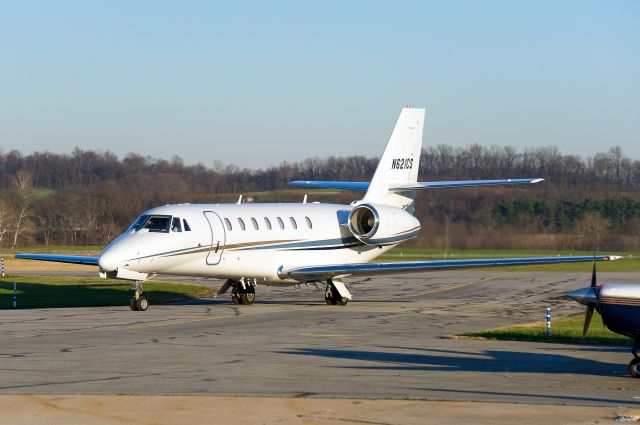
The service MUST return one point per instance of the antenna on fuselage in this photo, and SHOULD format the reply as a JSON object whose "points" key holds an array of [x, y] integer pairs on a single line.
{"points": [[304, 200], [239, 200]]}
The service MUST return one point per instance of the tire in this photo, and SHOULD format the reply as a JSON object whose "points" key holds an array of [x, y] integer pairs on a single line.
{"points": [[236, 299], [132, 304], [633, 368], [142, 304], [328, 296], [248, 297], [332, 297]]}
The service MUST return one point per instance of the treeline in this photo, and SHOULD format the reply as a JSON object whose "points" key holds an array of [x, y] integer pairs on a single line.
{"points": [[84, 168], [88, 197]]}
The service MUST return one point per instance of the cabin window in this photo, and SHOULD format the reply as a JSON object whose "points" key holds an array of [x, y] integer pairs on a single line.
{"points": [[228, 224], [267, 222], [186, 226], [280, 222], [241, 223], [176, 224], [293, 222], [309, 224], [255, 223], [158, 223]]}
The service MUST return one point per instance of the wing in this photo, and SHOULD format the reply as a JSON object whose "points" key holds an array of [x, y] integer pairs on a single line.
{"points": [[75, 259], [372, 269], [411, 186]]}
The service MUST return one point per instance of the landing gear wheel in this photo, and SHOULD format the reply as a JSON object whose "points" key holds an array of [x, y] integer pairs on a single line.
{"points": [[328, 296], [243, 293], [333, 297], [138, 302], [142, 304], [633, 368], [249, 296]]}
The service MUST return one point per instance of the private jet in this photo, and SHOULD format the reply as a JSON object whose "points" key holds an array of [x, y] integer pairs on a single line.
{"points": [[287, 244]]}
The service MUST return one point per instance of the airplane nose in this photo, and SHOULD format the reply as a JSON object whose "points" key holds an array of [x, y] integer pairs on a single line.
{"points": [[583, 295], [108, 261]]}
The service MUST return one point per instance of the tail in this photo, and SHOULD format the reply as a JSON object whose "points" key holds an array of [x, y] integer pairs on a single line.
{"points": [[396, 179], [400, 162]]}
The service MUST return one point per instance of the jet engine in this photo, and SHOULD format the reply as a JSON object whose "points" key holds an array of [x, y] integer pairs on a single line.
{"points": [[382, 224]]}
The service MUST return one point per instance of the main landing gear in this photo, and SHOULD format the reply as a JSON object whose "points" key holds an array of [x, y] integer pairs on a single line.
{"points": [[332, 295], [244, 293], [633, 366], [138, 302], [241, 292]]}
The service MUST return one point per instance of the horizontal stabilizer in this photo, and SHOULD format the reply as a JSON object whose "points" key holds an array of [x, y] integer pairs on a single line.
{"points": [[75, 259], [411, 186], [331, 184], [373, 269], [461, 183]]}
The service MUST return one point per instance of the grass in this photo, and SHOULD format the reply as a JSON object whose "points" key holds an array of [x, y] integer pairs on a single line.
{"points": [[566, 330], [49, 292], [44, 193], [631, 262]]}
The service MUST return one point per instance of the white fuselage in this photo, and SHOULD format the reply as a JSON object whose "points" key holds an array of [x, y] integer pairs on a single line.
{"points": [[249, 242]]}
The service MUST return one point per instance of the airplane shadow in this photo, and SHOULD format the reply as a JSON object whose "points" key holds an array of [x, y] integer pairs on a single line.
{"points": [[52, 295], [491, 361]]}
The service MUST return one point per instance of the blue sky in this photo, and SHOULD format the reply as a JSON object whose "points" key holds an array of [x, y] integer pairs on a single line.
{"points": [[256, 83]]}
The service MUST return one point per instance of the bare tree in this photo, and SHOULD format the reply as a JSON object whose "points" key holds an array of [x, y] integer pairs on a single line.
{"points": [[592, 227], [23, 183], [6, 219]]}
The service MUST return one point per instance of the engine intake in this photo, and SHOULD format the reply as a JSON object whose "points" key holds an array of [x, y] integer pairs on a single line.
{"points": [[364, 221], [382, 224]]}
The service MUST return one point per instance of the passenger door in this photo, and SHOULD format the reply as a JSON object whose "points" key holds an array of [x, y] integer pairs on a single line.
{"points": [[218, 238]]}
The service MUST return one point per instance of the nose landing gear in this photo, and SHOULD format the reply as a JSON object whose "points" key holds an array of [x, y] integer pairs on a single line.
{"points": [[138, 302]]}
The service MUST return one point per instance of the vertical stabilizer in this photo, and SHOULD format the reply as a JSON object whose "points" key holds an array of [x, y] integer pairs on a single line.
{"points": [[400, 161]]}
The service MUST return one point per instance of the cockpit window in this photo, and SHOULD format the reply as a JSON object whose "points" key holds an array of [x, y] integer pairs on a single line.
{"points": [[176, 225], [154, 223], [186, 226], [140, 221], [158, 223]]}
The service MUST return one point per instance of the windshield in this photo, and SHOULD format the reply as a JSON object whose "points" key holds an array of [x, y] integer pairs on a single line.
{"points": [[154, 223], [137, 225]]}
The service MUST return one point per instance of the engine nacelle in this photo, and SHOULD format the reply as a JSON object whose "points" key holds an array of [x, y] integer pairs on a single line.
{"points": [[382, 224]]}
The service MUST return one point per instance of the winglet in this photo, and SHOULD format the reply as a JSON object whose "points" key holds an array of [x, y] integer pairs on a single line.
{"points": [[612, 258]]}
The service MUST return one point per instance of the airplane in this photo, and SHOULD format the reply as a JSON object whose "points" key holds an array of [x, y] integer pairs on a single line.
{"points": [[287, 244], [619, 306]]}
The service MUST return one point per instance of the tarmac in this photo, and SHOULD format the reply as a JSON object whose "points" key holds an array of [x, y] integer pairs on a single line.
{"points": [[388, 357]]}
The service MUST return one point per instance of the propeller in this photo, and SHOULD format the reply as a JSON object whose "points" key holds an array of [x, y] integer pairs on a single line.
{"points": [[592, 305]]}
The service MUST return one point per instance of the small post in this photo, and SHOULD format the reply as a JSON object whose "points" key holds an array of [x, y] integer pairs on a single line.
{"points": [[548, 321], [14, 295], [3, 267]]}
